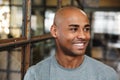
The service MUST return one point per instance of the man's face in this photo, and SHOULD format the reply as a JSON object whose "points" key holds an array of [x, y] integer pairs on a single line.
{"points": [[73, 34]]}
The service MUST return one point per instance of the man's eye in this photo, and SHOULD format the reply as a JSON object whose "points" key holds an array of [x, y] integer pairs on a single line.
{"points": [[73, 29], [87, 29]]}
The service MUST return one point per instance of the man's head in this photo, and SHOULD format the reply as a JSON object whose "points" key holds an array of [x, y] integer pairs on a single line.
{"points": [[71, 30]]}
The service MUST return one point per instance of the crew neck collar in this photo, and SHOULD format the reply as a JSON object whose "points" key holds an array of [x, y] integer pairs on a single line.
{"points": [[61, 67]]}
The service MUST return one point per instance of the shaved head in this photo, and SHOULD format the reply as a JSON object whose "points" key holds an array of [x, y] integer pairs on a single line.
{"points": [[64, 12]]}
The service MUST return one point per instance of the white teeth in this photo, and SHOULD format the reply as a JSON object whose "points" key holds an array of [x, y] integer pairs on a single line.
{"points": [[80, 44]]}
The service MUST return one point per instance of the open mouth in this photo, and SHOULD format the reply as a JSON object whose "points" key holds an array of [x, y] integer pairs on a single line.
{"points": [[80, 45]]}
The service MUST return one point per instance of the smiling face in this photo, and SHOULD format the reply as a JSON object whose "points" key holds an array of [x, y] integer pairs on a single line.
{"points": [[71, 31]]}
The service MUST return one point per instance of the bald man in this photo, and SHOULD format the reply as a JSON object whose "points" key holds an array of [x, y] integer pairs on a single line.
{"points": [[71, 31]]}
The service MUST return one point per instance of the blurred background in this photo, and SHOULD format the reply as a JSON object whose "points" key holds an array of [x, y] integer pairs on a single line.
{"points": [[25, 38]]}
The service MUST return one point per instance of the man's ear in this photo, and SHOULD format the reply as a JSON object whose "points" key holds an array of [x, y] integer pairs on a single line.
{"points": [[53, 31]]}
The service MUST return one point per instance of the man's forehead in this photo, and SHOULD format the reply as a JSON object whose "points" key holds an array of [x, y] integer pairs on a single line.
{"points": [[67, 13], [68, 9]]}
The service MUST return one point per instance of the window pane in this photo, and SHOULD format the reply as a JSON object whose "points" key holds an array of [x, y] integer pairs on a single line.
{"points": [[15, 59], [4, 21], [37, 22], [16, 2], [37, 2], [42, 50], [55, 2], [10, 19], [106, 22], [3, 76], [41, 24], [15, 76], [51, 3], [16, 22], [49, 16], [3, 60], [4, 1], [10, 64]]}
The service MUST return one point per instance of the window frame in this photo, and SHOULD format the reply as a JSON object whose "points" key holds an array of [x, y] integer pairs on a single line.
{"points": [[26, 40]]}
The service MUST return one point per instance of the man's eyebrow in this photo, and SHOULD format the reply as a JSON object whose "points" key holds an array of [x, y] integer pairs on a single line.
{"points": [[87, 25], [74, 25]]}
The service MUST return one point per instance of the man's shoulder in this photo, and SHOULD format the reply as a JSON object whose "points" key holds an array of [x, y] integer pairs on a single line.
{"points": [[36, 72], [102, 70], [45, 61], [100, 66], [42, 65]]}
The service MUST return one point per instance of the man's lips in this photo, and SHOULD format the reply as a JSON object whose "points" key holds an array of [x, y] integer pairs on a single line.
{"points": [[79, 45]]}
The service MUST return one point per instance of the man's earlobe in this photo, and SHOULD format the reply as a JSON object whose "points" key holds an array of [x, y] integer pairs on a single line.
{"points": [[53, 31]]}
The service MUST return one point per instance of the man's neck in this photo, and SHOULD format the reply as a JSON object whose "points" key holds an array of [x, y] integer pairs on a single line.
{"points": [[69, 61]]}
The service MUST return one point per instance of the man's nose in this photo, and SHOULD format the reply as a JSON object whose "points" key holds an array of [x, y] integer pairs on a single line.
{"points": [[81, 34]]}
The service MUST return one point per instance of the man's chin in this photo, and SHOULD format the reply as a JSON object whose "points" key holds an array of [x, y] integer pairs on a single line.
{"points": [[80, 53], [74, 54]]}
